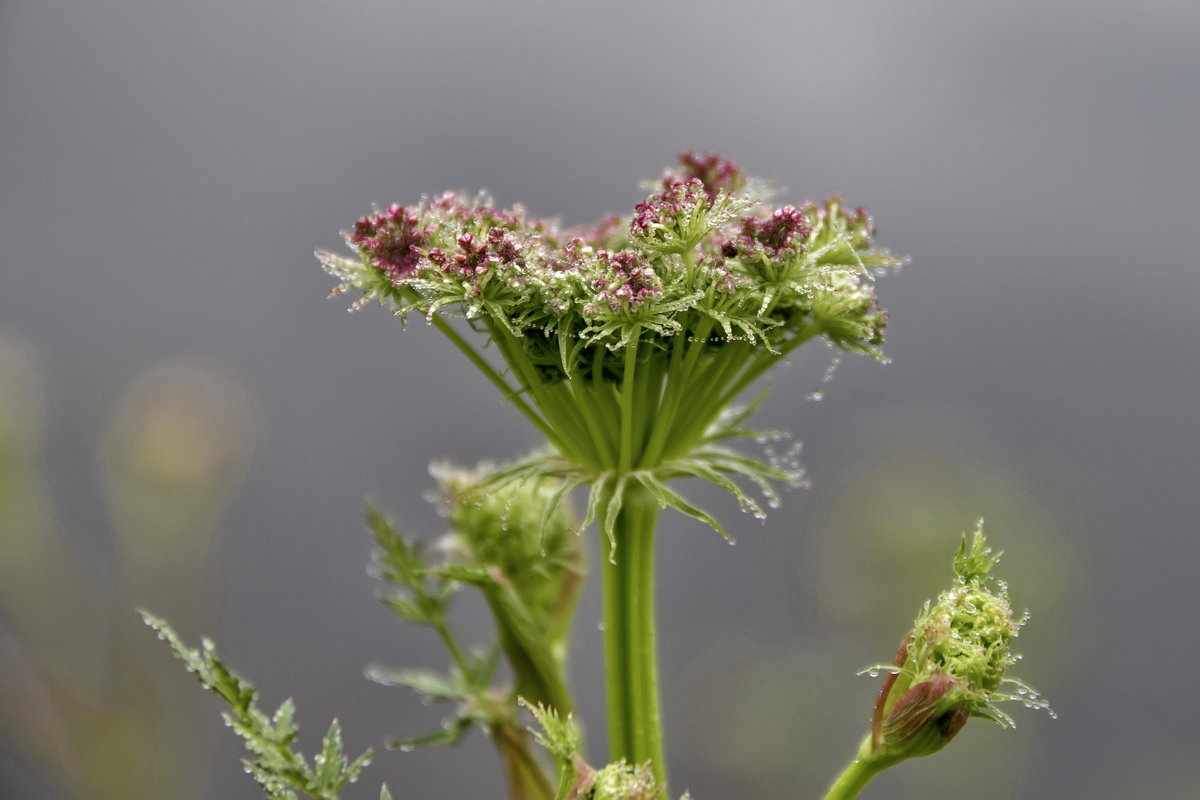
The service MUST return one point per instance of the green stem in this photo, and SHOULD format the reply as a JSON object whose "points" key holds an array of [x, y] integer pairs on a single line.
{"points": [[665, 413], [628, 384], [538, 672], [765, 362], [522, 773], [497, 380], [566, 429], [634, 719], [705, 401], [855, 777]]}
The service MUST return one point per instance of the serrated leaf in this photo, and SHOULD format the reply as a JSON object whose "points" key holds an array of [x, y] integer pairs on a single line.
{"points": [[481, 668], [331, 762], [278, 770], [430, 684], [409, 609], [465, 573], [559, 735], [452, 732], [355, 767], [283, 721]]}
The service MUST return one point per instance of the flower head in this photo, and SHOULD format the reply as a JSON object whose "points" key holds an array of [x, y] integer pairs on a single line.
{"points": [[700, 250], [626, 341]]}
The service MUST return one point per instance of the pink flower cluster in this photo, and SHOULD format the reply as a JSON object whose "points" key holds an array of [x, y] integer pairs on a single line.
{"points": [[666, 209], [628, 282], [391, 239], [398, 241], [782, 232], [716, 173]]}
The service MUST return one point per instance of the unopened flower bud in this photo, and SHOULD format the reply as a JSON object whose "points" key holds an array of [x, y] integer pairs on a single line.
{"points": [[923, 720], [951, 666]]}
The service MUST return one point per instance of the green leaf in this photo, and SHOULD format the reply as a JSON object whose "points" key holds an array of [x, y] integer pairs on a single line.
{"points": [[465, 573], [452, 732], [278, 769], [330, 764], [284, 726], [559, 735], [427, 683]]}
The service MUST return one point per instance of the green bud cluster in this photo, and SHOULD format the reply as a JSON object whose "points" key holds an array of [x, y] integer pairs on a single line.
{"points": [[510, 543], [968, 632], [513, 533], [953, 664], [506, 542], [619, 781]]}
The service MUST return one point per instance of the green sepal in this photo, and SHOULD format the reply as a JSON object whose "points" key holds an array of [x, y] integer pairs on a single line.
{"points": [[669, 498]]}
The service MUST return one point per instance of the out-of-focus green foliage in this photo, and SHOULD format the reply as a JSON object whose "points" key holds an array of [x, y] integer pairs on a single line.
{"points": [[82, 694]]}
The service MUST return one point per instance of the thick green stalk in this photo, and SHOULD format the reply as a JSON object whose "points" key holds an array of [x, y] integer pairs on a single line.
{"points": [[634, 718]]}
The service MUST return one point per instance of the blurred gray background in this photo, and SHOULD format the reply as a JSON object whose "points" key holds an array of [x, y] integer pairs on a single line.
{"points": [[166, 170]]}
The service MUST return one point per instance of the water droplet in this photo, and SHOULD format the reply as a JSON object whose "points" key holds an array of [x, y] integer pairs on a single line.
{"points": [[874, 673], [832, 368], [816, 397]]}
